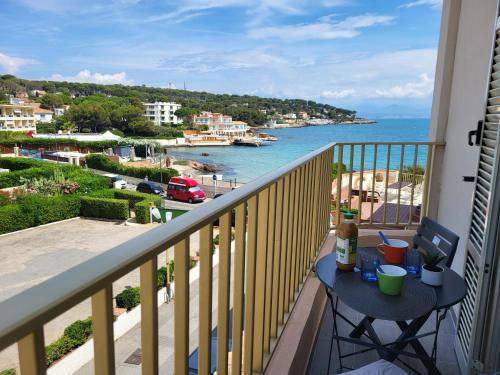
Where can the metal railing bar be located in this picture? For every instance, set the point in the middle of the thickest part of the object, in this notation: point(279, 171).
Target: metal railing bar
point(239, 285)
point(339, 182)
point(260, 281)
point(390, 143)
point(277, 262)
point(400, 181)
point(250, 284)
point(374, 178)
point(102, 331)
point(351, 167)
point(149, 317)
point(181, 306)
point(360, 194)
point(287, 233)
point(269, 267)
point(205, 300)
point(386, 182)
point(224, 273)
point(32, 353)
point(413, 182)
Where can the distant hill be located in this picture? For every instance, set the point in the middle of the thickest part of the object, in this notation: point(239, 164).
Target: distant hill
point(252, 109)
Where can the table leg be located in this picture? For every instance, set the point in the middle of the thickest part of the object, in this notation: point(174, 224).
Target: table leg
point(360, 328)
point(373, 336)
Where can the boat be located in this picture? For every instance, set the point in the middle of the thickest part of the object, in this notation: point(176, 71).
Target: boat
point(251, 142)
point(267, 137)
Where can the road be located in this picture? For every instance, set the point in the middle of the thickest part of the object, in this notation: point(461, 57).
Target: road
point(132, 183)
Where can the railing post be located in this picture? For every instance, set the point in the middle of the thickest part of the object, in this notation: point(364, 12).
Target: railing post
point(250, 285)
point(277, 277)
point(339, 182)
point(102, 331)
point(388, 165)
point(223, 292)
point(260, 281)
point(285, 257)
point(269, 267)
point(238, 296)
point(181, 306)
point(205, 300)
point(427, 178)
point(149, 317)
point(32, 353)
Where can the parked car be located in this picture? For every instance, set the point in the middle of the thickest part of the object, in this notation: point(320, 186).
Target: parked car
point(150, 187)
point(185, 189)
point(117, 182)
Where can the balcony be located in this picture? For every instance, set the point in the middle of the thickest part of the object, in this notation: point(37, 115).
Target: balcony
point(255, 306)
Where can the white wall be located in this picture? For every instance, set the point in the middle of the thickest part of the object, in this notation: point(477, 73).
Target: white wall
point(457, 106)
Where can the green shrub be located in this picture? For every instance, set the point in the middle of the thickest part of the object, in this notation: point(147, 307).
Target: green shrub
point(134, 197)
point(10, 179)
point(79, 331)
point(13, 218)
point(102, 163)
point(44, 210)
point(17, 164)
point(129, 298)
point(89, 182)
point(58, 349)
point(142, 209)
point(104, 208)
point(9, 371)
point(161, 277)
point(103, 193)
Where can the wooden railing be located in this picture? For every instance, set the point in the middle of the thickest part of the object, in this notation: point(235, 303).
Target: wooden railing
point(382, 182)
point(281, 219)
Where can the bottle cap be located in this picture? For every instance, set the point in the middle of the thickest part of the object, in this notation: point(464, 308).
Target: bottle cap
point(348, 215)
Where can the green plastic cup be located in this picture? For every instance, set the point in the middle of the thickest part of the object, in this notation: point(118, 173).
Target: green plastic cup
point(391, 281)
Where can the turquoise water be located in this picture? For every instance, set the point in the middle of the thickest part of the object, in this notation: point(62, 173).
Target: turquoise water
point(248, 163)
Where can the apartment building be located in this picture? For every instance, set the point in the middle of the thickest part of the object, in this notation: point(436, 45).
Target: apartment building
point(17, 118)
point(162, 112)
point(219, 124)
point(43, 115)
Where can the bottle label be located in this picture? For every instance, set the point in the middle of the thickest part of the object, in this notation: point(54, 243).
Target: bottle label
point(346, 250)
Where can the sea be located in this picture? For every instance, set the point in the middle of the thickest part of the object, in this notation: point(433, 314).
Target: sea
point(248, 163)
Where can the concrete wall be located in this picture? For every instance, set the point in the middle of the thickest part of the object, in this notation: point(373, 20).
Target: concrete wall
point(462, 75)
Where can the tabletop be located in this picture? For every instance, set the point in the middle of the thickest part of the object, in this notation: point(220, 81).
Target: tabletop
point(450, 293)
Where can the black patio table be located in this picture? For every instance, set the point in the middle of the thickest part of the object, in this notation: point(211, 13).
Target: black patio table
point(415, 304)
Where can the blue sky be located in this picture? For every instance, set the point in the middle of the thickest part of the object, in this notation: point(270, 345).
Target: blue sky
point(374, 56)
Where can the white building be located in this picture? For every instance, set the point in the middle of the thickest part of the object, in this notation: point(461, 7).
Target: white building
point(43, 115)
point(17, 118)
point(86, 137)
point(59, 111)
point(162, 112)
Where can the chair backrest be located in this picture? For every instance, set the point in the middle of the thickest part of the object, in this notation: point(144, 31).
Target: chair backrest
point(433, 237)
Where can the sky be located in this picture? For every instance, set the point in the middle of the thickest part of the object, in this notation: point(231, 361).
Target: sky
point(374, 56)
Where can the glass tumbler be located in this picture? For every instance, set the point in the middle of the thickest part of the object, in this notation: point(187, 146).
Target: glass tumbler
point(413, 262)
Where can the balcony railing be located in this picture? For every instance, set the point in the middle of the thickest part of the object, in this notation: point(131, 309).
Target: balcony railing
point(281, 219)
point(383, 183)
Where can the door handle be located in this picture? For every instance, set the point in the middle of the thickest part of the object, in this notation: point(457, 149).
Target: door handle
point(476, 133)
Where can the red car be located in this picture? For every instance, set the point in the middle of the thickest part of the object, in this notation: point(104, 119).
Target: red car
point(185, 189)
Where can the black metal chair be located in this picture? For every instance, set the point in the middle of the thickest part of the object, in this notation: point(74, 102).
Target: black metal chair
point(433, 237)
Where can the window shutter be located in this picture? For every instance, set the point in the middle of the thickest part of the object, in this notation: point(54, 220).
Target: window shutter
point(483, 226)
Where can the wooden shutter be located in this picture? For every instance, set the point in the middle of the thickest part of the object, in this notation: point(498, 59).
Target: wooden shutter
point(482, 234)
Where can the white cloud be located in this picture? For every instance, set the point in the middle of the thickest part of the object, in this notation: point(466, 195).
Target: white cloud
point(11, 64)
point(89, 77)
point(338, 94)
point(420, 89)
point(217, 60)
point(259, 10)
point(325, 28)
point(436, 4)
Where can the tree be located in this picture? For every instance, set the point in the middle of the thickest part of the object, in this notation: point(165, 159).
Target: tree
point(51, 101)
point(142, 126)
point(187, 114)
point(88, 116)
point(335, 168)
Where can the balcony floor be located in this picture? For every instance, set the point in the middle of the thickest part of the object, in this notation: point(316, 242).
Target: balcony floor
point(387, 331)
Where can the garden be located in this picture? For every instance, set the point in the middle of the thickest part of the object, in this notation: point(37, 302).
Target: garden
point(37, 192)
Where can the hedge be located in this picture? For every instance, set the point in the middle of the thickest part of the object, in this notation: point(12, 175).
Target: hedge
point(17, 164)
point(104, 208)
point(136, 200)
point(10, 371)
point(102, 163)
point(75, 335)
point(59, 141)
point(33, 210)
point(129, 298)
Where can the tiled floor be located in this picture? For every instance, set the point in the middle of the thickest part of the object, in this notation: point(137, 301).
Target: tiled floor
point(387, 331)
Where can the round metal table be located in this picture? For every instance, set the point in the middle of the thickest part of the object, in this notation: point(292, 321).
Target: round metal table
point(415, 304)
